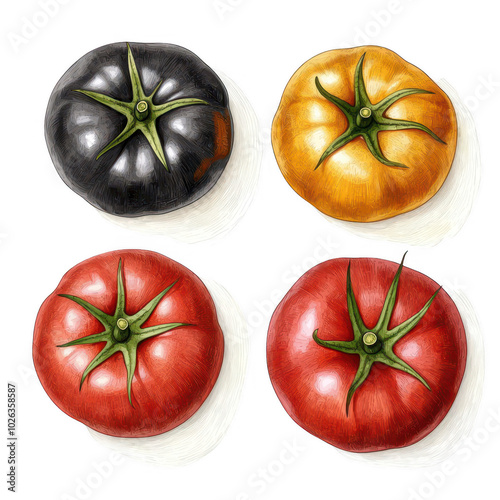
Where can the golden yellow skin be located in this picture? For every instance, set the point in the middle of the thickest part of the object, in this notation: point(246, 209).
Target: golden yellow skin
point(351, 184)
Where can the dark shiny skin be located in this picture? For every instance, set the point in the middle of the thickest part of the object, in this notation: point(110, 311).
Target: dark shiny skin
point(130, 180)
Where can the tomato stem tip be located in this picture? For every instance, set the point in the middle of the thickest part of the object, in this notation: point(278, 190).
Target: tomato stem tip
point(369, 338)
point(122, 324)
point(365, 112)
point(141, 110)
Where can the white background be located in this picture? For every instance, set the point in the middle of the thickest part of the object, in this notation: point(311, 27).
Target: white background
point(46, 229)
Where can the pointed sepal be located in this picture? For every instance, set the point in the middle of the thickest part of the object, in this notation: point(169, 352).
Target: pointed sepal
point(349, 347)
point(127, 132)
point(137, 92)
point(360, 95)
point(339, 142)
point(129, 352)
point(89, 339)
point(142, 316)
point(365, 366)
point(105, 319)
point(120, 291)
point(388, 101)
point(153, 331)
point(371, 139)
point(390, 300)
point(401, 330)
point(358, 326)
point(107, 352)
point(399, 364)
point(151, 134)
point(344, 106)
point(124, 108)
point(391, 124)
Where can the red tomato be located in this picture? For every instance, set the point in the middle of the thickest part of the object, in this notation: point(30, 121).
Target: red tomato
point(365, 355)
point(128, 343)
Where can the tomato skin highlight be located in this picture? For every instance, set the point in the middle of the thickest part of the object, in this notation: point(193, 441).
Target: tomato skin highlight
point(391, 409)
point(175, 371)
point(352, 184)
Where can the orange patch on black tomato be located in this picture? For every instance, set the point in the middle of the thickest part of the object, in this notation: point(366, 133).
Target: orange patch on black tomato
point(222, 126)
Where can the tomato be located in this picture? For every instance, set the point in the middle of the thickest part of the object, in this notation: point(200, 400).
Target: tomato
point(363, 135)
point(139, 129)
point(366, 355)
point(128, 343)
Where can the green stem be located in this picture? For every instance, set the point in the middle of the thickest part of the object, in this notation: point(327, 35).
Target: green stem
point(121, 332)
point(371, 343)
point(141, 110)
point(364, 117)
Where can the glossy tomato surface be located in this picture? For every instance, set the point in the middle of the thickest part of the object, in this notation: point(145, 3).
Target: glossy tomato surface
point(356, 182)
point(174, 371)
point(157, 162)
point(391, 408)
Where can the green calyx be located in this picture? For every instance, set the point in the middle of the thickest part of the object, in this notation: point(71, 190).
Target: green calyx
point(367, 120)
point(122, 332)
point(376, 344)
point(141, 112)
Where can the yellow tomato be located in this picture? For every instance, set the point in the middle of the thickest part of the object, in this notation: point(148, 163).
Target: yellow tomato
point(363, 135)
